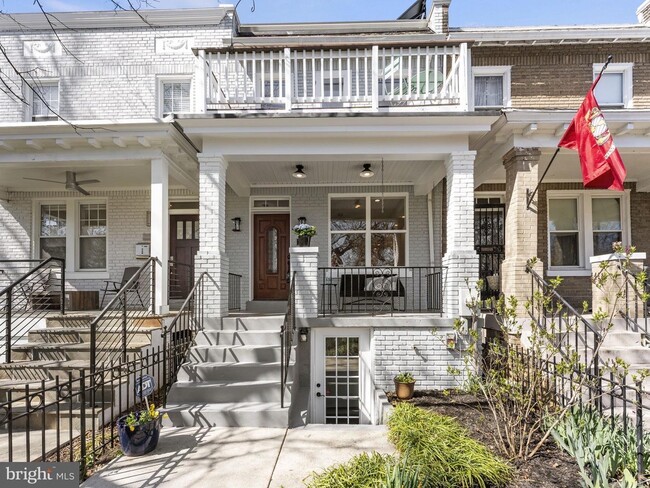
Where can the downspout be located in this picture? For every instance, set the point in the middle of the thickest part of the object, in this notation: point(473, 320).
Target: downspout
point(430, 214)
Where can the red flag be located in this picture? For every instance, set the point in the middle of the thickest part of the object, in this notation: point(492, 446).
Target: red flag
point(602, 166)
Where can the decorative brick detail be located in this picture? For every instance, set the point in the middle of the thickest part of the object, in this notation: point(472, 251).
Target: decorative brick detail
point(420, 351)
point(460, 257)
point(211, 257)
point(304, 262)
point(521, 223)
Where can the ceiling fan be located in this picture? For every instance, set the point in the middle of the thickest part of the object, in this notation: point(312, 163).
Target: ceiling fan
point(70, 182)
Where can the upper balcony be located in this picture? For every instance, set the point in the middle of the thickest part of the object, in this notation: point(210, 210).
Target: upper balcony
point(369, 78)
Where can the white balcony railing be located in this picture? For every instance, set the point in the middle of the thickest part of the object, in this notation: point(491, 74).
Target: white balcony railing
point(368, 78)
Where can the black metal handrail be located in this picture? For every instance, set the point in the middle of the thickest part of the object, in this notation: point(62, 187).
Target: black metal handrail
point(376, 290)
point(287, 331)
point(180, 274)
point(180, 334)
point(234, 291)
point(134, 303)
point(28, 299)
point(573, 333)
point(635, 312)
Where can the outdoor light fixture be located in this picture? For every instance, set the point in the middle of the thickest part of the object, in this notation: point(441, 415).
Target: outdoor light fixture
point(367, 172)
point(304, 334)
point(299, 173)
point(236, 222)
point(357, 204)
point(302, 220)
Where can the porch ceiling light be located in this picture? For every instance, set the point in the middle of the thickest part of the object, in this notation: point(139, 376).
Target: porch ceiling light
point(357, 204)
point(299, 173)
point(367, 172)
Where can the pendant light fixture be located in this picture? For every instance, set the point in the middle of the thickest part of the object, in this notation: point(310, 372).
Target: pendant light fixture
point(366, 172)
point(299, 173)
point(357, 204)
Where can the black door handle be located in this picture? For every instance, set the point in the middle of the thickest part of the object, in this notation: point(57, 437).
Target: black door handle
point(319, 394)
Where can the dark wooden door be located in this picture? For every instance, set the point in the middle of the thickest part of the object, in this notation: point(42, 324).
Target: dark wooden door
point(271, 256)
point(184, 243)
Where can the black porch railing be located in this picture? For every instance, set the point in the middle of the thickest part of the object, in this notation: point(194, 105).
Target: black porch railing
point(571, 332)
point(34, 290)
point(287, 331)
point(635, 311)
point(234, 291)
point(381, 290)
point(112, 331)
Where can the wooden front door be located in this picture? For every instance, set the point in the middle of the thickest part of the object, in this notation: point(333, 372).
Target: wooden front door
point(184, 243)
point(271, 256)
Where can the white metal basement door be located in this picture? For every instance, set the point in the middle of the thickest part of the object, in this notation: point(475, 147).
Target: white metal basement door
point(341, 390)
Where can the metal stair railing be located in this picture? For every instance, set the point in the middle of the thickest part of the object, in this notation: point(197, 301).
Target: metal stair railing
point(636, 303)
point(287, 331)
point(29, 298)
point(131, 307)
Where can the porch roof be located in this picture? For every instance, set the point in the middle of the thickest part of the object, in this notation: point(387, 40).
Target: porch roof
point(543, 129)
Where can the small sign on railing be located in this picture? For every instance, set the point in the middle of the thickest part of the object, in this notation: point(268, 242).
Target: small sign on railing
point(144, 386)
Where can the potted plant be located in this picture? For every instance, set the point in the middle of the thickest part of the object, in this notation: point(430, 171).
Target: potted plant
point(139, 431)
point(304, 232)
point(404, 385)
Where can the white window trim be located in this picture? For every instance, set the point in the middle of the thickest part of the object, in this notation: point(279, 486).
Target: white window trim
point(368, 231)
point(505, 72)
point(161, 80)
point(628, 81)
point(29, 108)
point(585, 240)
point(71, 236)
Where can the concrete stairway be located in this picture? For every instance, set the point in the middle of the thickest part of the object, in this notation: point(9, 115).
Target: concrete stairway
point(232, 377)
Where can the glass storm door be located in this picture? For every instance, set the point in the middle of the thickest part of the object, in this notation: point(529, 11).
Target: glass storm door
point(342, 384)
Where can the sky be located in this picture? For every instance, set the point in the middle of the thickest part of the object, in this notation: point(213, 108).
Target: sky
point(463, 13)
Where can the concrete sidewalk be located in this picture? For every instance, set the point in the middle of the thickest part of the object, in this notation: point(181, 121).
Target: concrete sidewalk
point(234, 457)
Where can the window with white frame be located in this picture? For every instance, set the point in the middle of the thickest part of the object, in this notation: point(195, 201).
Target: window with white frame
point(368, 230)
point(491, 86)
point(74, 230)
point(582, 225)
point(45, 100)
point(614, 90)
point(176, 96)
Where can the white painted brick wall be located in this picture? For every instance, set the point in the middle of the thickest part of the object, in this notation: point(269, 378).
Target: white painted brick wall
point(113, 73)
point(418, 350)
point(304, 262)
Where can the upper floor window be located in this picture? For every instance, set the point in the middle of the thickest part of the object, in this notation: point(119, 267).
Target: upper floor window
point(491, 86)
point(615, 87)
point(45, 100)
point(176, 96)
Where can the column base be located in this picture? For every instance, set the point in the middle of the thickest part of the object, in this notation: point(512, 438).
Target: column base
point(216, 288)
point(517, 283)
point(461, 274)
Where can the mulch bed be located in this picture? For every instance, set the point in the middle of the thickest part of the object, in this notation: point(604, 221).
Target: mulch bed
point(550, 468)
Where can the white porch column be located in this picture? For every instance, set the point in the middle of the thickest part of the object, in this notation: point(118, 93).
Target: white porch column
point(460, 258)
point(211, 257)
point(304, 262)
point(160, 229)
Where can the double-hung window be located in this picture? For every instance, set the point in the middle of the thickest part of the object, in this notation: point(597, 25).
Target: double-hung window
point(584, 224)
point(491, 86)
point(92, 236)
point(52, 238)
point(176, 96)
point(368, 230)
point(45, 100)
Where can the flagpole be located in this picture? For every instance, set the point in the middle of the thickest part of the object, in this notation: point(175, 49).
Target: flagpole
point(530, 196)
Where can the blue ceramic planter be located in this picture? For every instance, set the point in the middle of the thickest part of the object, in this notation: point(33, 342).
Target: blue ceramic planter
point(142, 439)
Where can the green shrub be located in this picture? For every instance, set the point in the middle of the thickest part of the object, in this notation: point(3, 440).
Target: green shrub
point(443, 452)
point(603, 449)
point(362, 471)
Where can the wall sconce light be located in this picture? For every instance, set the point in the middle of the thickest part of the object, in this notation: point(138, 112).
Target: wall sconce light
point(302, 220)
point(303, 332)
point(236, 222)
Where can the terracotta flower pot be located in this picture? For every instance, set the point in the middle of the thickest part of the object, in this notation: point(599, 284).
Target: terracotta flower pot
point(404, 391)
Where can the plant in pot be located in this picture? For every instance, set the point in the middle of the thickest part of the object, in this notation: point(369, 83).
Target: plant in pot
point(139, 431)
point(404, 385)
point(304, 232)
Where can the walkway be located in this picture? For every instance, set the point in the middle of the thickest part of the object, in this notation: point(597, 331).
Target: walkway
point(233, 457)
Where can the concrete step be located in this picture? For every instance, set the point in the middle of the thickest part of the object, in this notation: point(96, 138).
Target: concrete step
point(109, 320)
point(63, 351)
point(237, 354)
point(631, 355)
point(267, 306)
point(246, 322)
point(241, 414)
point(623, 339)
point(227, 392)
point(43, 369)
point(238, 338)
point(70, 334)
point(17, 390)
point(232, 371)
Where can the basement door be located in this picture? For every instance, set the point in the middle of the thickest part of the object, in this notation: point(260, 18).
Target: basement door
point(271, 256)
point(342, 391)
